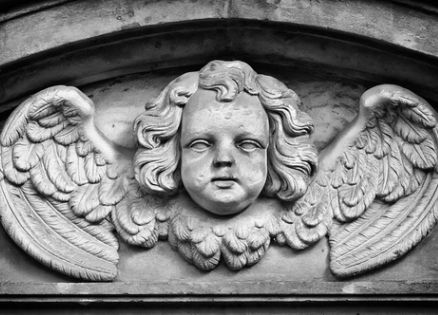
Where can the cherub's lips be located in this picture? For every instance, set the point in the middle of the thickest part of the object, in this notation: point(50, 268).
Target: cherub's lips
point(224, 181)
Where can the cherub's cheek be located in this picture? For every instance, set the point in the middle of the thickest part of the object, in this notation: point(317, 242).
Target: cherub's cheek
point(254, 162)
point(200, 180)
point(199, 160)
point(257, 177)
point(194, 171)
point(254, 169)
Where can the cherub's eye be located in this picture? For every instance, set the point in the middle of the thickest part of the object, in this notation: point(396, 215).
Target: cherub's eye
point(248, 145)
point(199, 145)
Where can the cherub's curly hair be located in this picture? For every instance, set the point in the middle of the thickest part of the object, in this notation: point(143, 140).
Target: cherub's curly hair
point(291, 157)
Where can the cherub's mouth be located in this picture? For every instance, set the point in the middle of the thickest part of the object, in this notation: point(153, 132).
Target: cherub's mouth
point(224, 181)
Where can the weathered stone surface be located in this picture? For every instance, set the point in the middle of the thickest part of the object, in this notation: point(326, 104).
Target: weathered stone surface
point(79, 20)
point(328, 52)
point(78, 55)
point(219, 165)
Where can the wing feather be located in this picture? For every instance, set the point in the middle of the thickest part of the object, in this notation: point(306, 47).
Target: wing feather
point(36, 133)
point(62, 226)
point(53, 181)
point(84, 199)
point(420, 114)
point(141, 220)
point(382, 185)
point(383, 235)
point(388, 167)
point(410, 131)
point(51, 120)
point(12, 174)
point(39, 238)
point(56, 171)
point(99, 213)
point(93, 171)
point(83, 148)
point(101, 230)
point(407, 187)
point(76, 166)
point(67, 136)
point(421, 155)
point(26, 154)
point(41, 181)
point(111, 191)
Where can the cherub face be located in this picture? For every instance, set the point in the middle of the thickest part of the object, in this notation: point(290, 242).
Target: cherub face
point(224, 151)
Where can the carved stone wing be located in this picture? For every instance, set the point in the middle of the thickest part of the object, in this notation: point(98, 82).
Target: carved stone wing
point(378, 181)
point(60, 179)
point(139, 219)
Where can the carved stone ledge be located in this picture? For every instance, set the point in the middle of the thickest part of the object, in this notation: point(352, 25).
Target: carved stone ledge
point(79, 20)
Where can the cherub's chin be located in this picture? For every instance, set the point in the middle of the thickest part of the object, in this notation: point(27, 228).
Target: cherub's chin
point(221, 197)
point(225, 201)
point(226, 210)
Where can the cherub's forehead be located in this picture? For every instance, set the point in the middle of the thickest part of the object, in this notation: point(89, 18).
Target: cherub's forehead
point(204, 112)
point(204, 99)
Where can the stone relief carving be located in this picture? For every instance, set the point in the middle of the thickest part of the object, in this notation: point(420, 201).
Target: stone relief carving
point(224, 166)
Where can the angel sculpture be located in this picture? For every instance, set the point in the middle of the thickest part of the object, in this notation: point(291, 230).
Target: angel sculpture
point(224, 165)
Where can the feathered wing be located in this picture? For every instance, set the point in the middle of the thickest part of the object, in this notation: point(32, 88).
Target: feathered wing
point(60, 180)
point(141, 220)
point(375, 193)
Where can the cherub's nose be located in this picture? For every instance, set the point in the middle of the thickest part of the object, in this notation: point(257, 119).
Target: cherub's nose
point(223, 157)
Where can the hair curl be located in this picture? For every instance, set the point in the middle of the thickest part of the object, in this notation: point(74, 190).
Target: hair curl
point(291, 157)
